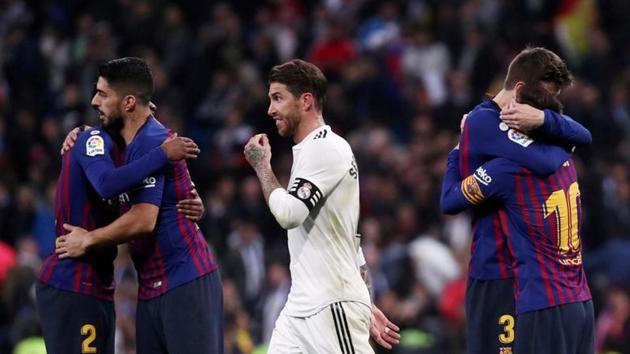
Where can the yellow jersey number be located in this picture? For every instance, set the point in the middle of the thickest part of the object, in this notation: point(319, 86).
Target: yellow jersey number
point(86, 345)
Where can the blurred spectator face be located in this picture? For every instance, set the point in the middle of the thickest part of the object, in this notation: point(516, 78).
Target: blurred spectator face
point(25, 198)
point(107, 102)
point(284, 109)
point(276, 275)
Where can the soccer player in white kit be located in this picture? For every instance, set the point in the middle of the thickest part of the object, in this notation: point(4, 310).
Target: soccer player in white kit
point(329, 308)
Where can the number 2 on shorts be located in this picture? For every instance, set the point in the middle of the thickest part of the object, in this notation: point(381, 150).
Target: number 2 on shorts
point(86, 345)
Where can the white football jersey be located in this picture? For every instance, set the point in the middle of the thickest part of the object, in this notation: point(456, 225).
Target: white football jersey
point(325, 248)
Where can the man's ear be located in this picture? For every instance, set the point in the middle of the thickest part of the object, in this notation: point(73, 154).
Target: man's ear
point(517, 90)
point(308, 101)
point(129, 103)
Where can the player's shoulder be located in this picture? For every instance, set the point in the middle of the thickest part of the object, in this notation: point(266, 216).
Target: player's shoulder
point(500, 166)
point(327, 144)
point(150, 135)
point(92, 142)
point(481, 113)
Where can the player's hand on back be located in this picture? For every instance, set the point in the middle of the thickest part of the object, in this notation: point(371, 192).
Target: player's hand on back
point(71, 138)
point(192, 208)
point(258, 151)
point(522, 117)
point(74, 244)
point(179, 148)
point(382, 330)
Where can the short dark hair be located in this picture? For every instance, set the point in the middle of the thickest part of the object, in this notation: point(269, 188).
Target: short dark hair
point(535, 66)
point(300, 77)
point(130, 75)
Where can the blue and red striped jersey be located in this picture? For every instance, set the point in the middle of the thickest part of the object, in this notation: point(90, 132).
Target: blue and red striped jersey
point(543, 216)
point(485, 137)
point(177, 251)
point(88, 176)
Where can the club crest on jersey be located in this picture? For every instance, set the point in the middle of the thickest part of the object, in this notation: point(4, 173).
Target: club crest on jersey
point(304, 192)
point(519, 138)
point(95, 145)
point(505, 350)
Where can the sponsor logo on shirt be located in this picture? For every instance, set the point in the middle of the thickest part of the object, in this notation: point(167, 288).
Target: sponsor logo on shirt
point(149, 182)
point(482, 176)
point(94, 132)
point(95, 145)
point(519, 138)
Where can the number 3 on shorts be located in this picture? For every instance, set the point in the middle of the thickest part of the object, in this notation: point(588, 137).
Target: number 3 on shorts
point(507, 321)
point(86, 345)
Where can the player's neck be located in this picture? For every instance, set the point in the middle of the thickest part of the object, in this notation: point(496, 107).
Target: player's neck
point(503, 98)
point(307, 125)
point(133, 122)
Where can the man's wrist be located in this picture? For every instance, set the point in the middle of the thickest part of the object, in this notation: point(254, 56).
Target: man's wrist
point(542, 117)
point(262, 167)
point(90, 241)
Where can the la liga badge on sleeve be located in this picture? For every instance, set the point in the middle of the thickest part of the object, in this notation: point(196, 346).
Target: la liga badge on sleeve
point(95, 145)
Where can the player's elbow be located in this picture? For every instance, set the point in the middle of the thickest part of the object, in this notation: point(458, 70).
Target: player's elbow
point(447, 208)
point(144, 218)
point(105, 191)
point(288, 224)
point(146, 226)
point(288, 211)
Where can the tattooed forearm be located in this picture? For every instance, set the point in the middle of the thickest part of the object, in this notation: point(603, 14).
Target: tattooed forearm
point(365, 274)
point(268, 181)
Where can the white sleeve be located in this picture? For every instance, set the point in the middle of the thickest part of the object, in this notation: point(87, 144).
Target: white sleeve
point(321, 169)
point(287, 209)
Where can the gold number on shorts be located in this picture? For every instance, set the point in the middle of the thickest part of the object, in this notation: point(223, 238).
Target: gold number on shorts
point(90, 330)
point(507, 321)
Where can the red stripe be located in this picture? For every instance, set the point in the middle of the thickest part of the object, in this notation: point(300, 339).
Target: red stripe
point(62, 195)
point(504, 226)
point(473, 246)
point(160, 263)
point(180, 219)
point(199, 242)
point(77, 277)
point(553, 266)
point(151, 266)
point(463, 161)
point(89, 280)
point(497, 239)
point(66, 189)
point(520, 196)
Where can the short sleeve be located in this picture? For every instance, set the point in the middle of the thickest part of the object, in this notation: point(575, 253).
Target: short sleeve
point(321, 168)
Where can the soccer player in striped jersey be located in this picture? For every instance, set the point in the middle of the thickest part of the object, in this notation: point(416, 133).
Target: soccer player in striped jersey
point(531, 75)
point(329, 308)
point(74, 297)
point(543, 217)
point(180, 300)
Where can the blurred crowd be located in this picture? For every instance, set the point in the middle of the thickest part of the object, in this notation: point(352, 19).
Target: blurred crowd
point(401, 74)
